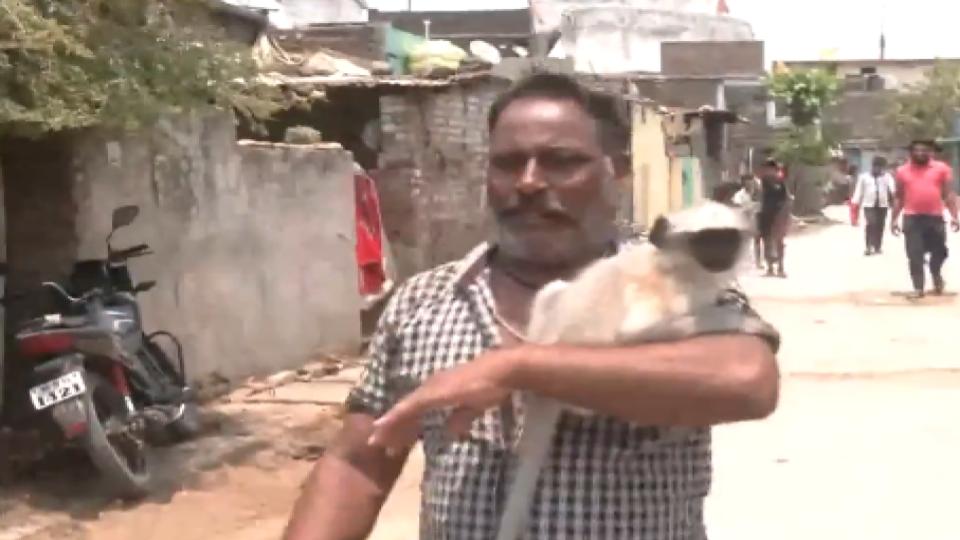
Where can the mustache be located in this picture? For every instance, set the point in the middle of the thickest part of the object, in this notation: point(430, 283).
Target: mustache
point(545, 207)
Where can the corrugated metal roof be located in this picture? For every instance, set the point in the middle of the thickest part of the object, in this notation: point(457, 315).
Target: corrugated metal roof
point(277, 79)
point(268, 5)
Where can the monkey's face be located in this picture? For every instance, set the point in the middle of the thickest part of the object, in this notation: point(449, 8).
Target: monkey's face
point(710, 237)
point(717, 250)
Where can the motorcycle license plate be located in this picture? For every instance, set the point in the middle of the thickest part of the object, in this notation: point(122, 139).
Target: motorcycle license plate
point(58, 390)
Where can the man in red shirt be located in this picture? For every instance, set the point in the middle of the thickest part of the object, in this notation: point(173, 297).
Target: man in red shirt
point(924, 187)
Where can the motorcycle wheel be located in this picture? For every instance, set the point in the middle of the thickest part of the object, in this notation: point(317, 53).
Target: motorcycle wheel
point(188, 425)
point(120, 456)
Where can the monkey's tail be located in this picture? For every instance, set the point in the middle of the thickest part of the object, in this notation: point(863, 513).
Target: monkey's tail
point(533, 451)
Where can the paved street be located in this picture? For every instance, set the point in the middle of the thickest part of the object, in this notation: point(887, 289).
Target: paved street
point(863, 445)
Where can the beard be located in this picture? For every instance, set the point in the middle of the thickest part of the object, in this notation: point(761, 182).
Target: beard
point(546, 233)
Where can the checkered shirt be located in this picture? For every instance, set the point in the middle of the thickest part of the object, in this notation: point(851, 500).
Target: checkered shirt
point(606, 479)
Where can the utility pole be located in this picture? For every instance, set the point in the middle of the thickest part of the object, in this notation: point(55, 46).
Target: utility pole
point(538, 41)
point(883, 31)
point(409, 5)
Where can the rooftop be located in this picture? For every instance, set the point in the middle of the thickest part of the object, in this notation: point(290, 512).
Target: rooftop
point(873, 61)
point(454, 24)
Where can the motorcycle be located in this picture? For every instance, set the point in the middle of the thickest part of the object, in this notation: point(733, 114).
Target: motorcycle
point(109, 387)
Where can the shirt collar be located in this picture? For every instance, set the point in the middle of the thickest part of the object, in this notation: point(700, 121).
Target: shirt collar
point(470, 266)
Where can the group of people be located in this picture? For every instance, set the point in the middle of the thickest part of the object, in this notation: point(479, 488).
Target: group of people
point(920, 189)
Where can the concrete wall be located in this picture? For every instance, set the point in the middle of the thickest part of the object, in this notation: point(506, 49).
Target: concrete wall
point(254, 246)
point(614, 39)
point(432, 167)
point(306, 12)
point(712, 58)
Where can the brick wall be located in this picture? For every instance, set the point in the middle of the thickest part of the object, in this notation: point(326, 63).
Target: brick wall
point(432, 169)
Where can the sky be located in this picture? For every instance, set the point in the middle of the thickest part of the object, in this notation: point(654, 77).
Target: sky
point(809, 29)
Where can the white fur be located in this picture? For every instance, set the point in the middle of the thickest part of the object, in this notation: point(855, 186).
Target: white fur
point(607, 304)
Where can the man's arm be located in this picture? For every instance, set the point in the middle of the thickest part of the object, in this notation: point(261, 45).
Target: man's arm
point(699, 381)
point(857, 190)
point(949, 197)
point(898, 198)
point(347, 488)
point(696, 382)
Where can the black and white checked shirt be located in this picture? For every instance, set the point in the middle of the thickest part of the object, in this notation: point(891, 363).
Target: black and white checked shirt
point(607, 479)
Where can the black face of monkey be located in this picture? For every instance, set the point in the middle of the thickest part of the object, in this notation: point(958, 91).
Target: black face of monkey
point(716, 250)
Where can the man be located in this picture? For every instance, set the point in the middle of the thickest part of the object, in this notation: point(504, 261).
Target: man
point(773, 217)
point(449, 354)
point(923, 188)
point(873, 193)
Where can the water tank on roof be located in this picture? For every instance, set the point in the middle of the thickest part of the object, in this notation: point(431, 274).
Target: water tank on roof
point(547, 14)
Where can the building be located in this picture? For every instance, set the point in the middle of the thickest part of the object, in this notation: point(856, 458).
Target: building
point(858, 118)
point(874, 74)
point(620, 38)
point(502, 28)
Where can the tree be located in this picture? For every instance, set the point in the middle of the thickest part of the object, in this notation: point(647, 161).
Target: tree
point(805, 145)
point(927, 109)
point(806, 94)
point(67, 64)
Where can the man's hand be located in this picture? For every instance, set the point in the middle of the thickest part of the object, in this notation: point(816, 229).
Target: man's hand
point(469, 390)
point(895, 228)
point(954, 225)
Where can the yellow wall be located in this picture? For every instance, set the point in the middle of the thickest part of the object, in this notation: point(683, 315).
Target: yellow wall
point(651, 191)
point(657, 177)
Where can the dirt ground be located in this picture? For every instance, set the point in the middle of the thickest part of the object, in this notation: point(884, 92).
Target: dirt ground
point(862, 446)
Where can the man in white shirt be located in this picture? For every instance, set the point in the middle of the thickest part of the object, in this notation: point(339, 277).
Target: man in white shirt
point(874, 194)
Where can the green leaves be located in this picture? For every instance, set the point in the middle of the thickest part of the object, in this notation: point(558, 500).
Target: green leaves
point(927, 110)
point(68, 64)
point(806, 93)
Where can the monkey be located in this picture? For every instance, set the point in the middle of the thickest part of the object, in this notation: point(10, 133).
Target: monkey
point(647, 292)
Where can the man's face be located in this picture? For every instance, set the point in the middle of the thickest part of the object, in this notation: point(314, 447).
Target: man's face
point(877, 169)
point(920, 153)
point(549, 183)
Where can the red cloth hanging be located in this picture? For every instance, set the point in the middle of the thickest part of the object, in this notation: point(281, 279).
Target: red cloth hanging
point(369, 234)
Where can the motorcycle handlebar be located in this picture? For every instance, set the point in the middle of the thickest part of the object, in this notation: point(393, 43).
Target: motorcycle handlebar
point(140, 249)
point(56, 286)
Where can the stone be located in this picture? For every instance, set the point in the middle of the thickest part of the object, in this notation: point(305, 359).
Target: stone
point(281, 378)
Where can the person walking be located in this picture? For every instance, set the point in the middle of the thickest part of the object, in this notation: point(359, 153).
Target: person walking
point(773, 217)
point(924, 186)
point(446, 359)
point(873, 194)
